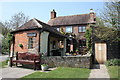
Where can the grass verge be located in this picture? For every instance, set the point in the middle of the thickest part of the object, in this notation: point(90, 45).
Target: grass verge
point(114, 71)
point(61, 72)
point(3, 64)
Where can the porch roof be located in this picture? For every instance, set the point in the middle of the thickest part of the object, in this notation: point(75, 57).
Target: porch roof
point(35, 24)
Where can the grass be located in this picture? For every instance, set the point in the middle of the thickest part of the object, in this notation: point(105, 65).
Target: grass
point(61, 72)
point(114, 71)
point(3, 64)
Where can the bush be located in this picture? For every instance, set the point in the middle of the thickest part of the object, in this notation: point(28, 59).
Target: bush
point(113, 62)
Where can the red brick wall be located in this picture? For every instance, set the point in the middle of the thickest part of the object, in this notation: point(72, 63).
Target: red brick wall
point(75, 29)
point(22, 38)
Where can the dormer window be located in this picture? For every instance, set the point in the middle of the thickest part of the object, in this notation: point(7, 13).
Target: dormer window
point(69, 29)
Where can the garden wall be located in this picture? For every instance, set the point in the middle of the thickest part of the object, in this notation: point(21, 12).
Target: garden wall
point(68, 61)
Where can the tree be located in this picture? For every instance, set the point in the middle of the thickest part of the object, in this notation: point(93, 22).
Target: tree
point(4, 30)
point(6, 27)
point(6, 43)
point(111, 13)
point(106, 34)
point(16, 20)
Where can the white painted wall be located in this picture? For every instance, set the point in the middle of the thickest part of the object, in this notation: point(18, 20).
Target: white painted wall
point(44, 42)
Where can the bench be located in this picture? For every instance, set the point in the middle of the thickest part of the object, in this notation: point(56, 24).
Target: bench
point(27, 58)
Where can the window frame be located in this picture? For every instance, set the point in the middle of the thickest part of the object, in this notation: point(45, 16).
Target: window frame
point(30, 43)
point(70, 29)
point(82, 30)
point(82, 43)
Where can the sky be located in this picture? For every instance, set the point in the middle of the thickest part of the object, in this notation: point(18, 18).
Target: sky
point(41, 10)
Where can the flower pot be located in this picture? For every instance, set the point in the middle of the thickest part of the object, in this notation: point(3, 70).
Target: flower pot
point(44, 68)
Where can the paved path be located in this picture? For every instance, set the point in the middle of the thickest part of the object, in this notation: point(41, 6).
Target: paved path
point(15, 72)
point(3, 57)
point(99, 71)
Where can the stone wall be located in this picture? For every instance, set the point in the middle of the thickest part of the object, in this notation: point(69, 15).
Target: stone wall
point(68, 61)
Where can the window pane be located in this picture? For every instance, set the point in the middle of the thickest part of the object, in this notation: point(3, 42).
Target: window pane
point(84, 43)
point(84, 29)
point(80, 29)
point(80, 43)
point(58, 29)
point(69, 29)
point(30, 43)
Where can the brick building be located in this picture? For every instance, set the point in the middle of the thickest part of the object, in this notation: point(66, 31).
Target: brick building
point(74, 24)
point(37, 37)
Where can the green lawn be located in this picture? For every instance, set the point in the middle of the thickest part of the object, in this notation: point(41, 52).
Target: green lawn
point(62, 72)
point(113, 71)
point(3, 64)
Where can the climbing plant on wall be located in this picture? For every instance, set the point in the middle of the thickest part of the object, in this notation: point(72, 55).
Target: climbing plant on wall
point(88, 35)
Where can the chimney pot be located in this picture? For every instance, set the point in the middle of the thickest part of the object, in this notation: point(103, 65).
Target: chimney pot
point(91, 11)
point(53, 14)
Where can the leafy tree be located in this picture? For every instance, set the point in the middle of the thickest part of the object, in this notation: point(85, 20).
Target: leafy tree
point(106, 34)
point(6, 43)
point(110, 15)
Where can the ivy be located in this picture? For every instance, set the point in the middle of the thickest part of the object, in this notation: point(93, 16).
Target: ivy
point(88, 35)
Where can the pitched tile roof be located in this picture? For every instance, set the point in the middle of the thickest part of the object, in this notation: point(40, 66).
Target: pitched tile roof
point(70, 20)
point(37, 24)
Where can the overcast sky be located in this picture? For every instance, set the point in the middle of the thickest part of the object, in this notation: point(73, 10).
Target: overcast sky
point(41, 10)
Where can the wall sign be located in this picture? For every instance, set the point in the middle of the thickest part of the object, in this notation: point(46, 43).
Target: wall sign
point(31, 34)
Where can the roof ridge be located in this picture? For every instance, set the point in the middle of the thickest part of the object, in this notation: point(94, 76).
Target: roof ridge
point(39, 25)
point(71, 15)
point(41, 21)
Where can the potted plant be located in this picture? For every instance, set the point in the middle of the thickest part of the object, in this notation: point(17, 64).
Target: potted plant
point(44, 67)
point(77, 51)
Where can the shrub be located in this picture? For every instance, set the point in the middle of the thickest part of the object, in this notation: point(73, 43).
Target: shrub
point(44, 64)
point(113, 62)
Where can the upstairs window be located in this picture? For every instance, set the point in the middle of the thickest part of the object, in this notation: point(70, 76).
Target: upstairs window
point(81, 29)
point(69, 29)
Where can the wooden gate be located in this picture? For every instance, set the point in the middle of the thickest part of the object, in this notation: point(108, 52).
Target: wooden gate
point(100, 52)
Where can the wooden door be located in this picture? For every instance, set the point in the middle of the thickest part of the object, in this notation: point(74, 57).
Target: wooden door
point(100, 52)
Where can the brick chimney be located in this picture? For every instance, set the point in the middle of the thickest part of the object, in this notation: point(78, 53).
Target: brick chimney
point(92, 16)
point(53, 14)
